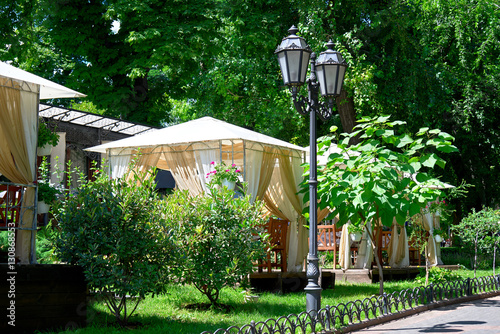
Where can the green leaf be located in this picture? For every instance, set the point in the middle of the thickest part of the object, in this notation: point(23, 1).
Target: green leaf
point(429, 160)
point(405, 140)
point(422, 131)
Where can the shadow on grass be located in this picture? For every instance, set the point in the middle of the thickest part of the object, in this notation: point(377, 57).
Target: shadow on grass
point(100, 321)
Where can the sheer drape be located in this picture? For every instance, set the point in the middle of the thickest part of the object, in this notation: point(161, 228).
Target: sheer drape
point(431, 243)
point(18, 139)
point(203, 158)
point(119, 164)
point(398, 251)
point(345, 248)
point(365, 251)
point(183, 168)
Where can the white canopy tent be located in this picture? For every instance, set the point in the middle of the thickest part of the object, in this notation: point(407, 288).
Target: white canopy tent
point(271, 167)
point(20, 92)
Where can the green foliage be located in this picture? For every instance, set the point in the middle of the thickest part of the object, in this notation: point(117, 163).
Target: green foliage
point(46, 135)
point(479, 232)
point(115, 230)
point(384, 175)
point(47, 191)
point(437, 275)
point(46, 239)
point(218, 237)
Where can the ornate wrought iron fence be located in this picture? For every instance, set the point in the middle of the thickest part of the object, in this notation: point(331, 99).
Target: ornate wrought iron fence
point(354, 312)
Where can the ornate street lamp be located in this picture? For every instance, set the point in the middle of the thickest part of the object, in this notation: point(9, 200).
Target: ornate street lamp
point(293, 55)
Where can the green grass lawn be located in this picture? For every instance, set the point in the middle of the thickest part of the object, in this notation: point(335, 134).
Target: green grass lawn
point(170, 313)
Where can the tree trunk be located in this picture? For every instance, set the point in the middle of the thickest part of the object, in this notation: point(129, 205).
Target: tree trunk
point(426, 267)
point(380, 270)
point(371, 236)
point(345, 107)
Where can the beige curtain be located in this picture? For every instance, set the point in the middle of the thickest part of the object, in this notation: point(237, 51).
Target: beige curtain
point(277, 204)
point(398, 251)
point(18, 138)
point(365, 251)
point(183, 168)
point(436, 221)
point(431, 243)
point(265, 173)
point(345, 248)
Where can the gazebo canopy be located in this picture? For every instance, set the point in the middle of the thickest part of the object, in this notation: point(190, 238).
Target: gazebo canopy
point(204, 129)
point(271, 167)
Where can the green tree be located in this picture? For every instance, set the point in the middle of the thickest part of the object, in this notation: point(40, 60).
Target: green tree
point(114, 230)
point(218, 237)
point(478, 231)
point(381, 178)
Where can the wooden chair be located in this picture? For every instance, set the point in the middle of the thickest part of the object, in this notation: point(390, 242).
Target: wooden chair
point(277, 255)
point(10, 204)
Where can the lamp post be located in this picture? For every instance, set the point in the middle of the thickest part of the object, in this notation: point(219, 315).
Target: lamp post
point(327, 75)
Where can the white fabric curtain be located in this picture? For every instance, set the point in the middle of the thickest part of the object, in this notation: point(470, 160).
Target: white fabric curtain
point(203, 158)
point(399, 253)
point(365, 250)
point(345, 248)
point(431, 243)
point(119, 164)
point(254, 164)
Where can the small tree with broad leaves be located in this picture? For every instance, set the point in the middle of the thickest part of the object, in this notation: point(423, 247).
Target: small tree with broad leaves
point(383, 176)
point(480, 230)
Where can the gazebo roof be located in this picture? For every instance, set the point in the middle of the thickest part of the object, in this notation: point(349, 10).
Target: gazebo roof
point(205, 129)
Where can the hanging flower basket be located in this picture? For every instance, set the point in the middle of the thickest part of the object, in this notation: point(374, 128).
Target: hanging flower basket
point(438, 238)
point(43, 207)
point(228, 184)
point(223, 175)
point(45, 150)
point(356, 236)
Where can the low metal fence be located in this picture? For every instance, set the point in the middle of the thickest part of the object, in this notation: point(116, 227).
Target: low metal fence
point(332, 318)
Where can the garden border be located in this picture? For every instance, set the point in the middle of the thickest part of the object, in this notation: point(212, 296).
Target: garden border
point(359, 314)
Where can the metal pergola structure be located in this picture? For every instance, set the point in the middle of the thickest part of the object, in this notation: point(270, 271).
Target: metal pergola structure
point(72, 116)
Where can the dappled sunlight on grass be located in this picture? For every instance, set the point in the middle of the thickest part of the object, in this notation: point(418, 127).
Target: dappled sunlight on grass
point(169, 313)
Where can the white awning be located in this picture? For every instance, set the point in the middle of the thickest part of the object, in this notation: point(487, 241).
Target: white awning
point(48, 89)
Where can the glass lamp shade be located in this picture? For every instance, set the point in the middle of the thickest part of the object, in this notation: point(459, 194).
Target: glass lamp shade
point(330, 70)
point(293, 56)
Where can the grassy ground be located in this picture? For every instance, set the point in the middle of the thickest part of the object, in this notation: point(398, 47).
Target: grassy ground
point(170, 313)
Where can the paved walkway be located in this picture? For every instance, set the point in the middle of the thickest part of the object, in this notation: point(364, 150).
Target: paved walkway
point(480, 316)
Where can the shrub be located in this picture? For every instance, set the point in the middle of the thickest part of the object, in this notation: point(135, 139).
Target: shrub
point(218, 237)
point(114, 230)
point(437, 275)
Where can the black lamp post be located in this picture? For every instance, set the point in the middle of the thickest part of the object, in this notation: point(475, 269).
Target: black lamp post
point(293, 56)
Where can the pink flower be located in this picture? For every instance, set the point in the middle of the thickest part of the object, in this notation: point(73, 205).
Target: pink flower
point(212, 163)
point(233, 165)
point(227, 170)
point(238, 171)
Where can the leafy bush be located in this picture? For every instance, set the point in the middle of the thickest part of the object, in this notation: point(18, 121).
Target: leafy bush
point(437, 275)
point(218, 237)
point(114, 230)
point(46, 238)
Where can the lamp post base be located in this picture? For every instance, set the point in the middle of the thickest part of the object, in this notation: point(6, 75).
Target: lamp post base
point(313, 298)
point(313, 290)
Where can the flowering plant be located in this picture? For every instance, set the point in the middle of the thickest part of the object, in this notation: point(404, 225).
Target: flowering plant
point(437, 207)
point(222, 171)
